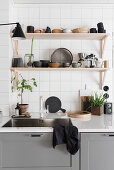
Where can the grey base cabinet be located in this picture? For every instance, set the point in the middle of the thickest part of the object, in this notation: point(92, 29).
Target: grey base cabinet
point(97, 151)
point(26, 151)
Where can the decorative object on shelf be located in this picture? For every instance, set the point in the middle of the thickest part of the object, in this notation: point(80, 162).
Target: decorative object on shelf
point(76, 65)
point(93, 30)
point(79, 114)
point(29, 58)
point(54, 65)
point(99, 63)
point(97, 103)
point(37, 64)
point(101, 28)
point(57, 31)
point(48, 30)
point(54, 105)
point(30, 29)
point(67, 30)
point(62, 55)
point(66, 64)
point(45, 63)
point(81, 30)
point(37, 31)
point(106, 64)
point(20, 86)
point(17, 62)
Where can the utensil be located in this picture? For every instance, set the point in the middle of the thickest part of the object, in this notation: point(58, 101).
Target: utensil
point(54, 65)
point(54, 105)
point(106, 64)
point(62, 55)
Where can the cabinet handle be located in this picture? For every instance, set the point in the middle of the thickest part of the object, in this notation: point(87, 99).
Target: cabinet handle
point(35, 136)
point(108, 135)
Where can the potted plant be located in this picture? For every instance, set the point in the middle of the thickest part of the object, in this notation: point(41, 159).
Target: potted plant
point(97, 103)
point(29, 58)
point(21, 85)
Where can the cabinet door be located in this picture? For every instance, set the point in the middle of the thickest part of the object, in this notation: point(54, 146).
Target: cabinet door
point(32, 150)
point(97, 151)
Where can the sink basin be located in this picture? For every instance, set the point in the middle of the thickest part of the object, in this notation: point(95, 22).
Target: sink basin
point(37, 122)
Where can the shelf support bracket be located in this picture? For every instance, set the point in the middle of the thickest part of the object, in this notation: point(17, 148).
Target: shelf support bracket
point(103, 44)
point(102, 79)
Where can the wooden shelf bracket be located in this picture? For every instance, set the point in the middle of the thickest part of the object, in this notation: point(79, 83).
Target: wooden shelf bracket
point(102, 79)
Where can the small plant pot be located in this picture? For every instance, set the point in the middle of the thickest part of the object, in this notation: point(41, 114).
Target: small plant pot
point(24, 108)
point(97, 110)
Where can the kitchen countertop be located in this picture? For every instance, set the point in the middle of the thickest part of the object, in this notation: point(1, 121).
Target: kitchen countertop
point(93, 124)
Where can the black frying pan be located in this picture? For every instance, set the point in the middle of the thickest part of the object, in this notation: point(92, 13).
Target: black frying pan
point(54, 104)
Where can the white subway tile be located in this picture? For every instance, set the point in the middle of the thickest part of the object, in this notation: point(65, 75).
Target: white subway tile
point(66, 12)
point(55, 86)
point(66, 86)
point(44, 12)
point(55, 12)
point(75, 12)
point(65, 76)
point(44, 76)
point(44, 86)
point(55, 76)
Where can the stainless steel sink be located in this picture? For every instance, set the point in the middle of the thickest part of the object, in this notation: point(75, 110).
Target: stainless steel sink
point(37, 122)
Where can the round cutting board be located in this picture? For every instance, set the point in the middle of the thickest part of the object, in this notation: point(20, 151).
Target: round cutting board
point(79, 114)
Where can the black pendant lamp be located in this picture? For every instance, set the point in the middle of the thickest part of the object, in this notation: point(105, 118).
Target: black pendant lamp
point(18, 33)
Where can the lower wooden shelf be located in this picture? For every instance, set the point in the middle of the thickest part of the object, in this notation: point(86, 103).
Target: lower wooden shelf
point(15, 69)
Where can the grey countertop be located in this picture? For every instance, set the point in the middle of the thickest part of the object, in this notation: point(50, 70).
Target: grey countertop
point(93, 124)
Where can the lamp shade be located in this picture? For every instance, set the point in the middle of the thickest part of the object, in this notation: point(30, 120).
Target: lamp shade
point(18, 33)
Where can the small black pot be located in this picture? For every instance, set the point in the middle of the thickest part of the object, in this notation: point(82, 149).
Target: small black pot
point(45, 63)
point(30, 29)
point(93, 30)
point(100, 25)
point(48, 30)
point(17, 62)
point(37, 64)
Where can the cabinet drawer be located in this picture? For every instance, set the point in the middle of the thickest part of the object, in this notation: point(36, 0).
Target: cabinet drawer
point(32, 150)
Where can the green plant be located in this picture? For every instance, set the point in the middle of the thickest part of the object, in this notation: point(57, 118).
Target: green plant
point(22, 85)
point(97, 100)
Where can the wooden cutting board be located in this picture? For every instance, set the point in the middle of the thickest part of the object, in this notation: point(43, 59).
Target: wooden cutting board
point(84, 99)
point(79, 114)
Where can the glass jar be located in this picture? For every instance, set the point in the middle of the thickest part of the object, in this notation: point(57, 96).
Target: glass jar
point(28, 60)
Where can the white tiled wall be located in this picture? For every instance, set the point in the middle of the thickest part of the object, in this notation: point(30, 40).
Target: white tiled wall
point(66, 84)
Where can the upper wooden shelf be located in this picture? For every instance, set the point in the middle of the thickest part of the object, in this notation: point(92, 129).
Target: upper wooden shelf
point(57, 69)
point(67, 36)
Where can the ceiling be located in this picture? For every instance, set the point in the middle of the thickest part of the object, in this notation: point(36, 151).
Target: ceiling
point(63, 1)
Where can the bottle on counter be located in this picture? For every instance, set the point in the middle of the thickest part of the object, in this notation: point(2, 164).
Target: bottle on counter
point(17, 110)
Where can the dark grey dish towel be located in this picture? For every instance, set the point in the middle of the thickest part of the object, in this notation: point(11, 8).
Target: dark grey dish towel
point(67, 135)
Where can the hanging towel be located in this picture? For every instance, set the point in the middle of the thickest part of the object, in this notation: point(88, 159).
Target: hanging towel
point(66, 135)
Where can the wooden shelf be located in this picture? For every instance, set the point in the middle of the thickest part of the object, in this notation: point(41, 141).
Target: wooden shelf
point(16, 69)
point(68, 36)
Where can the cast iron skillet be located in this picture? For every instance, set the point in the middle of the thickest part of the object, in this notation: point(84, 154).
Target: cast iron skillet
point(54, 104)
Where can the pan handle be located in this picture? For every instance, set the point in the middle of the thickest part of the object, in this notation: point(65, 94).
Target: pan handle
point(63, 110)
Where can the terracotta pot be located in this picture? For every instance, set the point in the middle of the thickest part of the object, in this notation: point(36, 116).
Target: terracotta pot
point(97, 110)
point(24, 108)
